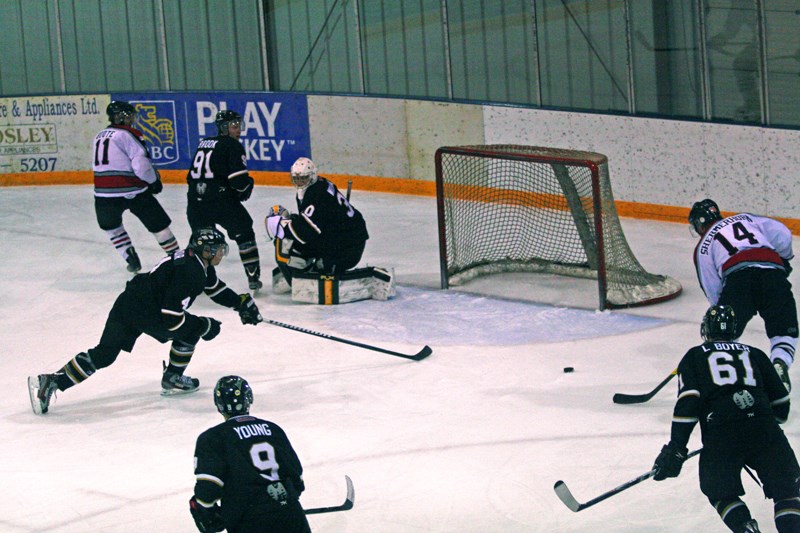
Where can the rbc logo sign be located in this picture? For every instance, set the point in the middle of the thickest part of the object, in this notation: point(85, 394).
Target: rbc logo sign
point(156, 120)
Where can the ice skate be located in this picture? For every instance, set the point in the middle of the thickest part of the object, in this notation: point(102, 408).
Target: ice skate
point(254, 284)
point(751, 527)
point(173, 383)
point(41, 388)
point(134, 265)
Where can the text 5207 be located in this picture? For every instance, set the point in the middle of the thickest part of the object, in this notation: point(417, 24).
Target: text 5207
point(37, 164)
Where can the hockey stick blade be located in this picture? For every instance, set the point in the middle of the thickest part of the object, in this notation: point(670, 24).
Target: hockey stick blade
point(419, 356)
point(347, 505)
point(565, 495)
point(642, 398)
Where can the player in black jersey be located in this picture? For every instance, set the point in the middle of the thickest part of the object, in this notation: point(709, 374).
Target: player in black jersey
point(327, 235)
point(156, 304)
point(250, 466)
point(218, 184)
point(735, 393)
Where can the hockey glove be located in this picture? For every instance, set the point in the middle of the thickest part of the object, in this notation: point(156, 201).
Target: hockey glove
point(207, 519)
point(242, 186)
point(669, 462)
point(248, 311)
point(211, 328)
point(155, 187)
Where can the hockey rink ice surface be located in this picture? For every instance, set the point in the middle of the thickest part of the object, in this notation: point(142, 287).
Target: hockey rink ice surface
point(471, 439)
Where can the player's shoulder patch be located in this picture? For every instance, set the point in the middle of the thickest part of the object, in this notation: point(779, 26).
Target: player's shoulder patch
point(180, 257)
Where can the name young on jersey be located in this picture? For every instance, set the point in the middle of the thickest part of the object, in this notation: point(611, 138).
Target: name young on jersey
point(252, 430)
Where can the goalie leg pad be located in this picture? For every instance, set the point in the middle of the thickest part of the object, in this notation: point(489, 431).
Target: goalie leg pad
point(279, 283)
point(383, 286)
point(350, 286)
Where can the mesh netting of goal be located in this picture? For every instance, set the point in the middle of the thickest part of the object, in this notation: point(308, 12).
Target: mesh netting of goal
point(513, 208)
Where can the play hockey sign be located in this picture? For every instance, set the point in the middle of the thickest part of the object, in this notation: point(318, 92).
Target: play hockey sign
point(274, 126)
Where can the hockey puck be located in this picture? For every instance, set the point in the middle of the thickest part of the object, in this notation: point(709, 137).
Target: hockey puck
point(568, 369)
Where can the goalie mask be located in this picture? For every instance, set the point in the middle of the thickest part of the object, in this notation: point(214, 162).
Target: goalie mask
point(208, 241)
point(224, 118)
point(303, 173)
point(118, 111)
point(719, 323)
point(703, 213)
point(233, 396)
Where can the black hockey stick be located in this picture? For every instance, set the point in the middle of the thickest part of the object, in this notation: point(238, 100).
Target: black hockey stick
point(348, 502)
point(419, 356)
point(641, 398)
point(564, 494)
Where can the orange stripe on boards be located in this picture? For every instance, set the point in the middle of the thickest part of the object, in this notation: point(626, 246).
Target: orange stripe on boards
point(75, 177)
point(639, 210)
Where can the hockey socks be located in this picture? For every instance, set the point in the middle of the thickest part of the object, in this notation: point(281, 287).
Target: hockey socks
point(121, 240)
point(167, 240)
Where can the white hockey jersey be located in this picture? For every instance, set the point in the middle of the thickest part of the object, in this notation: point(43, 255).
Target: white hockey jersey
point(736, 242)
point(121, 163)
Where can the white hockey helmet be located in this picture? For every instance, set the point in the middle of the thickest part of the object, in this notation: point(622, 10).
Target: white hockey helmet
point(303, 173)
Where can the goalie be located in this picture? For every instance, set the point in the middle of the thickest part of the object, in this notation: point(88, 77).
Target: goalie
point(316, 247)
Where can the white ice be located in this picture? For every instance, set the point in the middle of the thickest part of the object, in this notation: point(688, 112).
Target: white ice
point(471, 439)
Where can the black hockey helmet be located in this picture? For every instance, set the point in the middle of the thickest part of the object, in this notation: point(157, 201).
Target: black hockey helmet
point(118, 110)
point(719, 323)
point(233, 396)
point(208, 240)
point(702, 214)
point(225, 117)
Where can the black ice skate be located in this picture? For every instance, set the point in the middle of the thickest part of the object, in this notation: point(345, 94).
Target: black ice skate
point(41, 388)
point(134, 265)
point(752, 525)
point(253, 278)
point(173, 383)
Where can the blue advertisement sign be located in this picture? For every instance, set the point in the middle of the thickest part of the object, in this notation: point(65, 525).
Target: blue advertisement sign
point(274, 126)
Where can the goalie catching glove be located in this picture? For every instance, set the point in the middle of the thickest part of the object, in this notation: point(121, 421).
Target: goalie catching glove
point(248, 311)
point(276, 220)
point(207, 519)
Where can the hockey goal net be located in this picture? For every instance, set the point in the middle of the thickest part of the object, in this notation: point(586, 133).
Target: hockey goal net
point(511, 208)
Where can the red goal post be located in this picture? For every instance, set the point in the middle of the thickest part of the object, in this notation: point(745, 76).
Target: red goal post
point(513, 208)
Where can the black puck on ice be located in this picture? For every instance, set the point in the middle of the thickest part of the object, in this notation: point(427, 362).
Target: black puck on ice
point(568, 369)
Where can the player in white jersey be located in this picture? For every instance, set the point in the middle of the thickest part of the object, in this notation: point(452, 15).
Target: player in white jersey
point(125, 179)
point(743, 261)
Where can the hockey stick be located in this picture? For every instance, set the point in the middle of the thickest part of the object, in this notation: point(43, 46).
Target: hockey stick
point(348, 502)
point(419, 356)
point(564, 494)
point(641, 398)
point(349, 188)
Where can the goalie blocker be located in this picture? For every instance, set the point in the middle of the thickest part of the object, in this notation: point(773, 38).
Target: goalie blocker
point(350, 286)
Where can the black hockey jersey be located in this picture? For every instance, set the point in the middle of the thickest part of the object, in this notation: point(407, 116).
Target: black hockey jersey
point(722, 383)
point(218, 163)
point(325, 221)
point(241, 462)
point(163, 295)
